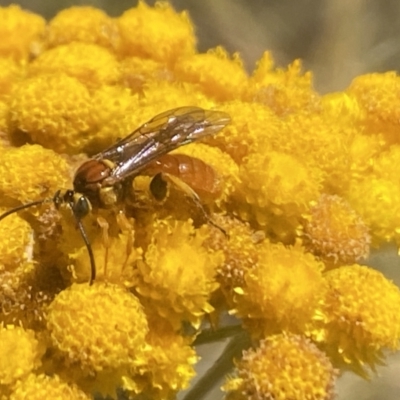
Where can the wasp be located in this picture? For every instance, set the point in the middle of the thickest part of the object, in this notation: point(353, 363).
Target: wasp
point(103, 181)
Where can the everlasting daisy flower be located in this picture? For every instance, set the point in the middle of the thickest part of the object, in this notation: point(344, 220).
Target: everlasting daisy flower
point(83, 24)
point(43, 386)
point(158, 33)
point(99, 327)
point(283, 367)
point(20, 354)
point(335, 232)
point(361, 317)
point(32, 172)
point(281, 291)
point(55, 110)
point(178, 275)
point(24, 33)
point(217, 75)
point(93, 65)
point(284, 91)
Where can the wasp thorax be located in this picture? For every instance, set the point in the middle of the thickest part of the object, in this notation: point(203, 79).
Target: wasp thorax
point(89, 179)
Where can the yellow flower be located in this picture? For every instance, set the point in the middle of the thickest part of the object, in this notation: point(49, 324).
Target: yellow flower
point(54, 110)
point(377, 201)
point(241, 250)
point(217, 75)
point(250, 122)
point(38, 387)
point(159, 96)
point(22, 32)
point(335, 232)
point(32, 173)
point(178, 275)
point(282, 291)
point(10, 73)
point(20, 354)
point(115, 110)
point(136, 72)
point(275, 197)
point(99, 327)
point(93, 65)
point(361, 316)
point(168, 367)
point(284, 91)
point(83, 24)
point(17, 244)
point(156, 32)
point(283, 367)
point(377, 96)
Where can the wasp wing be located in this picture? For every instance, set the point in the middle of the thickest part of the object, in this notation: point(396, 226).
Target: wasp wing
point(162, 134)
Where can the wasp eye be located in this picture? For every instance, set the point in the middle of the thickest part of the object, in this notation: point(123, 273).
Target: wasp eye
point(81, 206)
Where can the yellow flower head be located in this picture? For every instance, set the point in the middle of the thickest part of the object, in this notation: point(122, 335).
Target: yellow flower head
point(93, 65)
point(276, 190)
point(283, 367)
point(16, 246)
point(10, 72)
point(38, 387)
point(362, 317)
point(168, 367)
point(99, 327)
point(377, 95)
point(55, 110)
point(377, 201)
point(282, 291)
point(136, 72)
point(241, 250)
point(178, 275)
point(20, 353)
point(31, 173)
point(156, 32)
point(217, 75)
point(83, 24)
point(282, 91)
point(250, 123)
point(22, 32)
point(335, 232)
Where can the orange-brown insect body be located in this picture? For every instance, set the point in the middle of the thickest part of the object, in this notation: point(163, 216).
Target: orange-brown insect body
point(200, 176)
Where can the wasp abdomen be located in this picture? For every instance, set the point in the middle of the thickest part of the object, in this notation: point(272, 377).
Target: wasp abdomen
point(200, 176)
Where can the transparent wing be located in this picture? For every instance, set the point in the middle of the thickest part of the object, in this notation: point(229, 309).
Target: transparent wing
point(160, 135)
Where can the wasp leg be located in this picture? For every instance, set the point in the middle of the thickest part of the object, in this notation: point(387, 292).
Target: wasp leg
point(186, 189)
point(104, 225)
point(126, 226)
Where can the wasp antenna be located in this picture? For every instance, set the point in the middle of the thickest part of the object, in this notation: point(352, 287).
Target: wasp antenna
point(22, 207)
point(90, 251)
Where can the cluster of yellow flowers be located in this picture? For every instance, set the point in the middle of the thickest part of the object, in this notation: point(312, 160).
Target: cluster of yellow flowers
point(308, 183)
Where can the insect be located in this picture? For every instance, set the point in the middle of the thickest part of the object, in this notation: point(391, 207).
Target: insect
point(103, 180)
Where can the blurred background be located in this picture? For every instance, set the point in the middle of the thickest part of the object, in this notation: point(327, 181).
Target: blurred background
point(337, 40)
